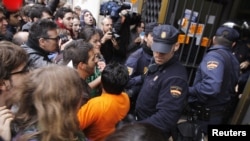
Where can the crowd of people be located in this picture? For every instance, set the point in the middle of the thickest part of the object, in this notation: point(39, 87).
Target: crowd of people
point(64, 78)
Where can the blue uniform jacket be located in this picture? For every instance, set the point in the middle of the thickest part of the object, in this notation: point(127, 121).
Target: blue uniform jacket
point(207, 87)
point(163, 94)
point(138, 62)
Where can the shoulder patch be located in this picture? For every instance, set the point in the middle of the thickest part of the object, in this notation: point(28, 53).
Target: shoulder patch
point(175, 91)
point(130, 70)
point(145, 70)
point(212, 65)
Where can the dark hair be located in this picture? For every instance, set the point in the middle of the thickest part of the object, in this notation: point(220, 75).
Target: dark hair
point(36, 11)
point(60, 13)
point(223, 41)
point(137, 132)
point(40, 29)
point(8, 13)
point(25, 10)
point(77, 51)
point(114, 78)
point(11, 57)
point(138, 24)
point(2, 10)
point(86, 33)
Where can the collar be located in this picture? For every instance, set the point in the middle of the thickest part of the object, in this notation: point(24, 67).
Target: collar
point(215, 47)
point(147, 49)
point(35, 45)
point(153, 67)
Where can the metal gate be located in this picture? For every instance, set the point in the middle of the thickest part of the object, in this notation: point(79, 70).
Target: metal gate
point(197, 21)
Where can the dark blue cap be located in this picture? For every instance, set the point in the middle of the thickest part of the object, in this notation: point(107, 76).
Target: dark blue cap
point(149, 27)
point(164, 36)
point(228, 33)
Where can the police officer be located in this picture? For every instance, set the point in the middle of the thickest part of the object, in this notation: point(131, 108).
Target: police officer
point(215, 79)
point(242, 51)
point(137, 63)
point(161, 99)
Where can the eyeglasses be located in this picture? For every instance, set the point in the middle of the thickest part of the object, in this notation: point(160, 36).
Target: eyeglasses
point(23, 71)
point(56, 38)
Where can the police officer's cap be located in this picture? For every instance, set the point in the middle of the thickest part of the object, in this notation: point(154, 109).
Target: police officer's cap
point(149, 27)
point(228, 33)
point(164, 36)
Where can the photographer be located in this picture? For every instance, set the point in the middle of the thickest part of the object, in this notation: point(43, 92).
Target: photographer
point(108, 41)
point(122, 20)
point(122, 28)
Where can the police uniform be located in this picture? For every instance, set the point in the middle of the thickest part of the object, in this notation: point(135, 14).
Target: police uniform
point(137, 63)
point(163, 93)
point(242, 53)
point(215, 80)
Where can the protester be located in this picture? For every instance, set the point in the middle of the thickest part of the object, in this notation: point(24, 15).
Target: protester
point(81, 56)
point(87, 19)
point(99, 116)
point(3, 25)
point(76, 26)
point(14, 23)
point(20, 38)
point(51, 97)
point(43, 39)
point(92, 35)
point(64, 19)
point(13, 60)
point(136, 37)
point(77, 10)
point(37, 12)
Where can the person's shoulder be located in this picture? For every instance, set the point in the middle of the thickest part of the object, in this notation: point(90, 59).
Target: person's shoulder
point(135, 55)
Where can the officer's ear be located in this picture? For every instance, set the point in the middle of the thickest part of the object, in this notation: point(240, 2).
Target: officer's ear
point(176, 46)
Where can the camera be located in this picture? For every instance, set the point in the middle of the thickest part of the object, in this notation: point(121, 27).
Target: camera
point(114, 34)
point(113, 8)
point(64, 38)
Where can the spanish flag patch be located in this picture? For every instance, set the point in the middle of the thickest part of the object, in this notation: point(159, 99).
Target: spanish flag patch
point(130, 70)
point(175, 91)
point(212, 65)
